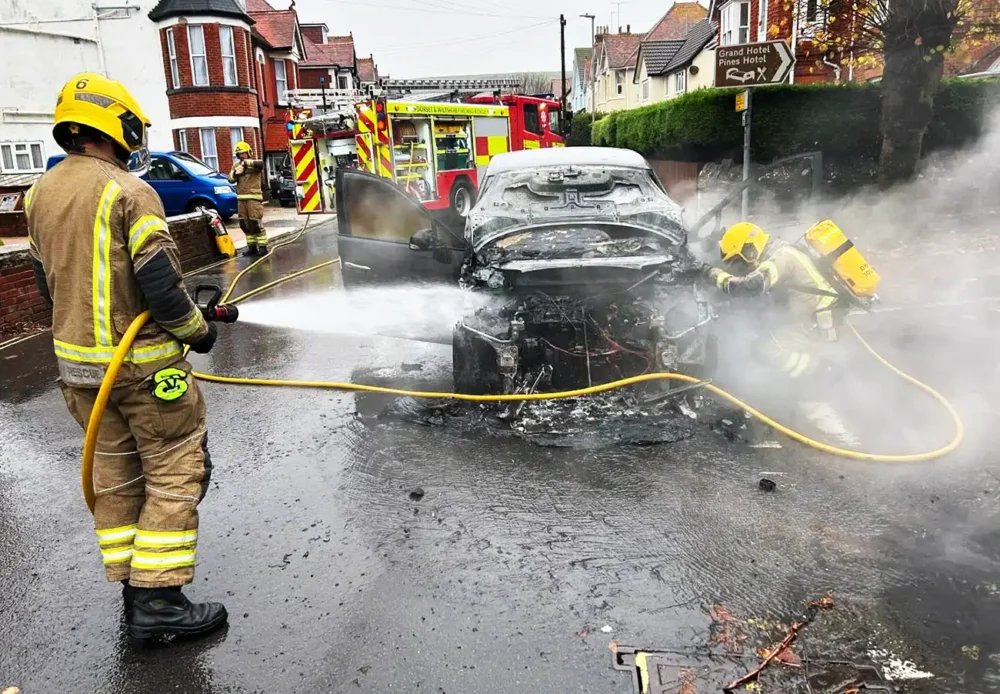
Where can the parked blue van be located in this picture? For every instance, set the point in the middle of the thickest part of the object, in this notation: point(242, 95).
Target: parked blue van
point(184, 183)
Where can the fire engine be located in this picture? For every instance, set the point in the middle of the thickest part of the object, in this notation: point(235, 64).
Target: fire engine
point(433, 150)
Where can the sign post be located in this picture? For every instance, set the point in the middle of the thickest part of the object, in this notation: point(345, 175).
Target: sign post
point(751, 65)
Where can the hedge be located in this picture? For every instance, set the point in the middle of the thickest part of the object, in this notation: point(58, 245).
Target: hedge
point(579, 133)
point(840, 121)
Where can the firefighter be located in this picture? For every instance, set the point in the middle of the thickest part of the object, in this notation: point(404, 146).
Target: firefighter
point(247, 174)
point(102, 255)
point(804, 299)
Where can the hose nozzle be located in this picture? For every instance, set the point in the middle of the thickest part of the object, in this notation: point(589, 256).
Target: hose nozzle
point(221, 313)
point(211, 309)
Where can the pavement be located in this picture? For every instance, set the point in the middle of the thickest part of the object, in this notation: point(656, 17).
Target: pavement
point(363, 553)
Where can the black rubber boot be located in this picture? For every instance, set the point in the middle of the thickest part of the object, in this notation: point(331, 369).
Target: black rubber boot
point(167, 612)
point(249, 251)
point(128, 597)
point(262, 250)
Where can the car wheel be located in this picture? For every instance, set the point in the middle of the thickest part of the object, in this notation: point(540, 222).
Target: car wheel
point(473, 365)
point(463, 198)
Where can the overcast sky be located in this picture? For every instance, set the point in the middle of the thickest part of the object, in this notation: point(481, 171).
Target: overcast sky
point(423, 38)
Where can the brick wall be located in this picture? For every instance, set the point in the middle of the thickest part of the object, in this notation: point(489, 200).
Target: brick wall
point(213, 55)
point(21, 306)
point(212, 101)
point(309, 77)
point(223, 143)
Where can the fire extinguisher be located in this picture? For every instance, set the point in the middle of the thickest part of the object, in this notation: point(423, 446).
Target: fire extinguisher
point(223, 241)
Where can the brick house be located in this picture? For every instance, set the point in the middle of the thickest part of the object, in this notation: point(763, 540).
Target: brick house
point(367, 72)
point(331, 58)
point(279, 49)
point(212, 93)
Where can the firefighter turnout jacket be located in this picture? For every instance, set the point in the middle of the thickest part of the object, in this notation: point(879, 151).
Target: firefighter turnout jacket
point(103, 255)
point(808, 299)
point(249, 181)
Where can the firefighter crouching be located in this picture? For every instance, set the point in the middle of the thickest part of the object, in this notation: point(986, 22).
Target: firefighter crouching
point(791, 341)
point(247, 174)
point(102, 255)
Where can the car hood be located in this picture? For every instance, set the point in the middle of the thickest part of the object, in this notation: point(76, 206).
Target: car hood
point(628, 263)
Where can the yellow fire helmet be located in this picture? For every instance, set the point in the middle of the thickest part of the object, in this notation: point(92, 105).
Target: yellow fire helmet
point(743, 240)
point(103, 104)
point(242, 148)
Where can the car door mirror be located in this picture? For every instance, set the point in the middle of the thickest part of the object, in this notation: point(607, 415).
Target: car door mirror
point(424, 240)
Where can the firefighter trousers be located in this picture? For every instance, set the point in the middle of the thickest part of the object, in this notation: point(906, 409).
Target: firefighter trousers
point(151, 470)
point(251, 212)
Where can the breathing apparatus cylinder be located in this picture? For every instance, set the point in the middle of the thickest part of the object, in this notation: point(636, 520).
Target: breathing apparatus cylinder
point(838, 258)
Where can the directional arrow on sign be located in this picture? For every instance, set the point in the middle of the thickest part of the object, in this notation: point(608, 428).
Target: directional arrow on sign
point(753, 64)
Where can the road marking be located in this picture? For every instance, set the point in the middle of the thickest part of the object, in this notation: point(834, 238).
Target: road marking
point(828, 421)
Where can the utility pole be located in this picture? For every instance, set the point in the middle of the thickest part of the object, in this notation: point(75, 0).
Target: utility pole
point(562, 86)
point(593, 37)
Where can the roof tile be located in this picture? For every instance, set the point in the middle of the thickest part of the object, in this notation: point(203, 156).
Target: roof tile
point(677, 22)
point(620, 47)
point(699, 37)
point(177, 8)
point(277, 28)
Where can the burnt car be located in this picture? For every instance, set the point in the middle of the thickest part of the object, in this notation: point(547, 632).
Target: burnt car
point(574, 261)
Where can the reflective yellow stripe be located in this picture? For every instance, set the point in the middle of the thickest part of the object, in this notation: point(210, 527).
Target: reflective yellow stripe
point(28, 197)
point(116, 556)
point(162, 560)
point(102, 355)
point(190, 327)
point(155, 538)
point(154, 353)
point(822, 302)
point(141, 230)
point(721, 278)
point(791, 362)
point(250, 196)
point(111, 536)
point(801, 367)
point(102, 265)
point(771, 270)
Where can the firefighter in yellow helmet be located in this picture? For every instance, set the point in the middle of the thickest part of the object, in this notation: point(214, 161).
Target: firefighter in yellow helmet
point(247, 174)
point(102, 255)
point(805, 300)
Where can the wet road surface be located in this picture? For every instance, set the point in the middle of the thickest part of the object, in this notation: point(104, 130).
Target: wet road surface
point(519, 564)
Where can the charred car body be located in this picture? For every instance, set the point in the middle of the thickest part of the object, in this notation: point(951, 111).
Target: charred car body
point(575, 262)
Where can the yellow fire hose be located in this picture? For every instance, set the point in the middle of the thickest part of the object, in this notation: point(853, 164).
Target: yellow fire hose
point(90, 441)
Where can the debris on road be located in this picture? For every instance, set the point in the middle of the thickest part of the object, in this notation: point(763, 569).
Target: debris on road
point(971, 652)
point(766, 485)
point(726, 630)
point(417, 494)
point(896, 669)
point(606, 629)
point(824, 603)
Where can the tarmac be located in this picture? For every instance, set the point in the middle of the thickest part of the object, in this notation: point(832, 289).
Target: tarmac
point(358, 552)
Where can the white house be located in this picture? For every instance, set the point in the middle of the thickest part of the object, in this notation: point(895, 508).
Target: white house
point(56, 39)
point(580, 91)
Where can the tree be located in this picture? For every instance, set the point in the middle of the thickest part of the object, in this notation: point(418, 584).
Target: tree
point(534, 83)
point(909, 40)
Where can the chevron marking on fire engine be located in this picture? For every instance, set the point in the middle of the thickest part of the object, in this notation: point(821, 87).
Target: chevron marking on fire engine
point(305, 175)
point(364, 153)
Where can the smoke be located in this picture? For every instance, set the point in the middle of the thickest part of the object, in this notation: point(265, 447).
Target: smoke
point(935, 244)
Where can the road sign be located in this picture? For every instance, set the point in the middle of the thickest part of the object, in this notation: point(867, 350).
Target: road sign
point(753, 64)
point(741, 101)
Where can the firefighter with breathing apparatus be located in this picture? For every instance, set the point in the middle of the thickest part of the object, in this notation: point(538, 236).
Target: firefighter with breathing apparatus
point(102, 255)
point(247, 175)
point(813, 285)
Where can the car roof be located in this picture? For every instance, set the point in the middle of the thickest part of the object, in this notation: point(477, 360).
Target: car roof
point(567, 156)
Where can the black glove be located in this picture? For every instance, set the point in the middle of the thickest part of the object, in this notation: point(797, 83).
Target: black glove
point(704, 269)
point(205, 344)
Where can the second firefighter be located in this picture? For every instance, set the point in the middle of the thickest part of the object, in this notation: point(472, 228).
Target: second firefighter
point(247, 175)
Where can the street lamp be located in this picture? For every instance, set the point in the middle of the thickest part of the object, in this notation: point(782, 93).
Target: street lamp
point(593, 89)
point(322, 89)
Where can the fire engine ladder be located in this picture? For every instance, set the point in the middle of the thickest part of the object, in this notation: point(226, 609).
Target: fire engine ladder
point(414, 169)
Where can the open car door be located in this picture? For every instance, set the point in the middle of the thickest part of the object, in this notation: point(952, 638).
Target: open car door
point(388, 237)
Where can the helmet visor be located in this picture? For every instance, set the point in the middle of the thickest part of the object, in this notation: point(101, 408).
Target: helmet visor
point(138, 163)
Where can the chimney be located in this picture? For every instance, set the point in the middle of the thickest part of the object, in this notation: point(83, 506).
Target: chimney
point(628, 28)
point(619, 30)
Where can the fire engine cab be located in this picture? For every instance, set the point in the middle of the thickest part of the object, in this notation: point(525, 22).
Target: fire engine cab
point(434, 146)
point(437, 151)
